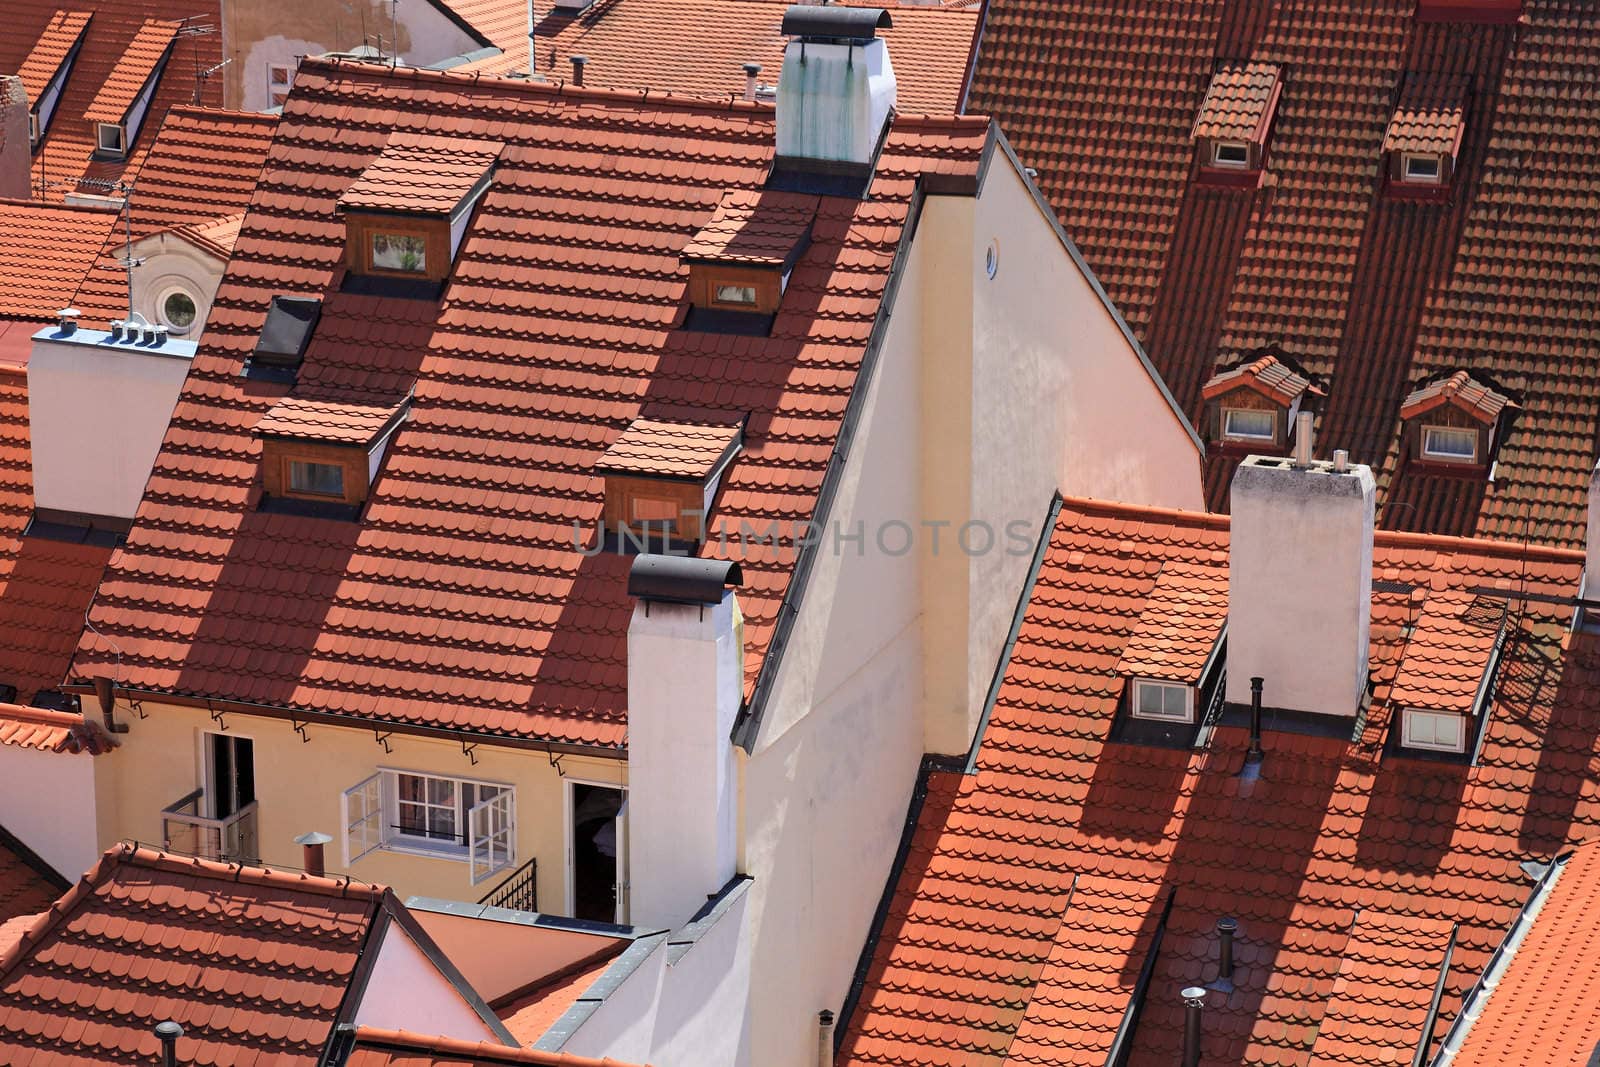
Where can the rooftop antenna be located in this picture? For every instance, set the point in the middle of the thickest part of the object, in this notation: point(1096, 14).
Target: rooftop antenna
point(533, 57)
point(394, 31)
point(188, 27)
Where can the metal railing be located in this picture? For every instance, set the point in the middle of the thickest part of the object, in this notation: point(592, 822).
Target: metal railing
point(231, 839)
point(520, 890)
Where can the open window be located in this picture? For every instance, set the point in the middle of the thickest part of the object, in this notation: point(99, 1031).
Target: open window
point(1251, 404)
point(662, 474)
point(1232, 129)
point(1455, 421)
point(1171, 665)
point(320, 452)
point(1443, 687)
point(739, 262)
point(407, 214)
point(434, 815)
point(1423, 140)
point(123, 103)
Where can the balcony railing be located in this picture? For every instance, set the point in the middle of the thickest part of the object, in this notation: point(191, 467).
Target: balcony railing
point(231, 839)
point(520, 890)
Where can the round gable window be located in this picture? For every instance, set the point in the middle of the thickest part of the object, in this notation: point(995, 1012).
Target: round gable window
point(178, 310)
point(991, 258)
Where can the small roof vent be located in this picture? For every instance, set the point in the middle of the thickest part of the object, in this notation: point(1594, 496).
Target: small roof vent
point(682, 579)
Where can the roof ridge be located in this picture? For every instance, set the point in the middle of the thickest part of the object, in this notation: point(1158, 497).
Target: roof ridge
point(407, 1039)
point(266, 877)
point(48, 716)
point(261, 118)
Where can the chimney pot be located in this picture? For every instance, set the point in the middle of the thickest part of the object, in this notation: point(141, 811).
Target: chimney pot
point(1194, 1001)
point(824, 1038)
point(1226, 928)
point(751, 71)
point(1302, 439)
point(67, 320)
point(577, 69)
point(168, 1033)
point(1254, 754)
point(1341, 461)
point(311, 845)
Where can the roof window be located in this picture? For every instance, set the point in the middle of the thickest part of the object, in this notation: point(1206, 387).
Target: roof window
point(1479, 11)
point(1234, 122)
point(1444, 685)
point(119, 109)
point(45, 72)
point(1170, 663)
point(1253, 404)
point(321, 453)
point(1423, 140)
point(1455, 420)
point(279, 351)
point(662, 475)
point(407, 214)
point(739, 262)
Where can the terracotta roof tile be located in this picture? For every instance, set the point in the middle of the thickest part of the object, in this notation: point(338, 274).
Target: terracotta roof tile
point(52, 731)
point(216, 236)
point(127, 79)
point(397, 1048)
point(1449, 652)
point(25, 890)
point(45, 252)
point(1267, 375)
point(428, 175)
point(1542, 1009)
point(461, 598)
point(50, 50)
point(1366, 292)
point(527, 1018)
point(1459, 390)
point(759, 228)
point(664, 46)
point(1343, 867)
point(1178, 629)
point(314, 418)
point(670, 449)
point(1431, 115)
point(1238, 102)
point(251, 963)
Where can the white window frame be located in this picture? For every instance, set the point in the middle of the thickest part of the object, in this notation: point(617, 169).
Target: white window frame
point(1429, 452)
point(100, 129)
point(1139, 684)
point(1409, 739)
point(1408, 158)
point(371, 810)
point(161, 308)
point(33, 127)
point(1238, 435)
point(1236, 164)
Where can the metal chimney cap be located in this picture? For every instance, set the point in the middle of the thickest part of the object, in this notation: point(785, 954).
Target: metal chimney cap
point(682, 579)
point(313, 837)
point(751, 69)
point(1194, 996)
point(834, 23)
point(1228, 924)
point(168, 1031)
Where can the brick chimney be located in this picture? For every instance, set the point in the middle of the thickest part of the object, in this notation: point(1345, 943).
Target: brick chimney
point(1300, 582)
point(16, 151)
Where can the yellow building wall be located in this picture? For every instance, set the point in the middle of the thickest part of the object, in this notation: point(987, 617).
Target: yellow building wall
point(300, 787)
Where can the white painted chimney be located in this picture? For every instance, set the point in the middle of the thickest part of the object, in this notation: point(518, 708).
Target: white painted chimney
point(685, 685)
point(16, 151)
point(98, 407)
point(1300, 584)
point(837, 88)
point(1591, 563)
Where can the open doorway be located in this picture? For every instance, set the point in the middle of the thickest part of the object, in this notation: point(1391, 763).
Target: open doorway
point(597, 852)
point(229, 828)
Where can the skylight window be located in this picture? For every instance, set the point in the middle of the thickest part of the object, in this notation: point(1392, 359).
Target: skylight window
point(1443, 688)
point(1423, 139)
point(662, 475)
point(321, 453)
point(1235, 120)
point(740, 261)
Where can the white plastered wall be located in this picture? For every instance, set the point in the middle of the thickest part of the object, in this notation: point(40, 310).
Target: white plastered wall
point(408, 992)
point(48, 801)
point(171, 263)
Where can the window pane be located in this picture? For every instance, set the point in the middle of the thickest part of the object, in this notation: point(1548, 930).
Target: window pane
point(1231, 155)
point(1449, 442)
point(394, 251)
point(1173, 703)
point(441, 791)
point(179, 311)
point(736, 294)
point(1435, 729)
point(325, 479)
point(1247, 422)
point(1422, 167)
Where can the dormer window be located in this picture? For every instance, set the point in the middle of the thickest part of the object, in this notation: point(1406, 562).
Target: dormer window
point(1423, 139)
point(321, 452)
point(1252, 404)
point(1235, 121)
point(1170, 664)
point(119, 109)
point(1455, 419)
point(406, 216)
point(45, 72)
point(662, 475)
point(1444, 685)
point(740, 261)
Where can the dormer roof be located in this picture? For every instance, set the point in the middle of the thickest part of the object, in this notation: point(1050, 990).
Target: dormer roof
point(329, 419)
point(755, 228)
point(133, 71)
point(1460, 390)
point(422, 175)
point(1430, 116)
point(663, 448)
point(1450, 653)
point(1180, 624)
point(50, 50)
point(1268, 375)
point(1239, 102)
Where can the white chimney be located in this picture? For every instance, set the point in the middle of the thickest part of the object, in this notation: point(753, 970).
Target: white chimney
point(685, 685)
point(1591, 563)
point(837, 87)
point(16, 150)
point(98, 408)
point(1300, 584)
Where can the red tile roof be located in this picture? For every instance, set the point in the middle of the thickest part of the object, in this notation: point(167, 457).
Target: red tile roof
point(25, 889)
point(132, 72)
point(1335, 849)
point(1267, 375)
point(313, 418)
point(52, 731)
point(670, 448)
point(760, 229)
point(1459, 390)
point(1238, 102)
point(461, 599)
point(1368, 293)
point(50, 49)
point(421, 174)
point(699, 47)
point(1178, 629)
point(527, 1018)
point(64, 159)
point(45, 585)
point(253, 964)
point(1448, 653)
point(1542, 1009)
point(1430, 116)
point(45, 251)
point(216, 236)
point(397, 1048)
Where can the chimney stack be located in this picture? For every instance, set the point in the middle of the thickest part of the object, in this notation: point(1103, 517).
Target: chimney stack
point(577, 69)
point(685, 686)
point(837, 88)
point(1194, 1001)
point(1591, 563)
point(314, 860)
point(1226, 928)
point(16, 150)
point(751, 72)
point(1300, 583)
point(824, 1038)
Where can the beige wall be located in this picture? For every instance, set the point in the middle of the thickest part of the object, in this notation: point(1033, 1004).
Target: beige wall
point(299, 787)
point(48, 800)
point(170, 262)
